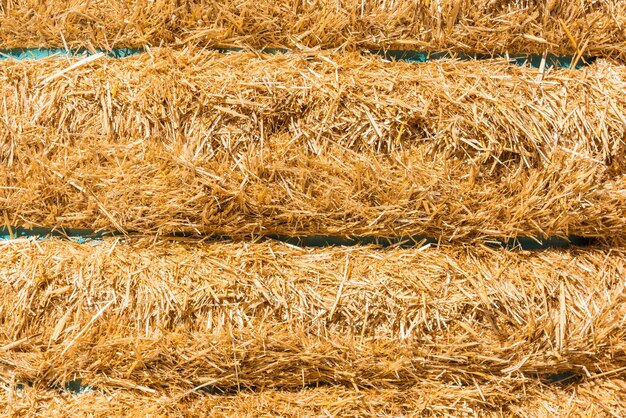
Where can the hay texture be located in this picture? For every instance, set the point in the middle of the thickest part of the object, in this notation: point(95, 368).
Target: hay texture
point(525, 26)
point(324, 144)
point(172, 316)
point(601, 398)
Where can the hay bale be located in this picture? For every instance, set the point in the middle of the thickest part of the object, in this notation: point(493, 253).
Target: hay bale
point(528, 26)
point(321, 144)
point(603, 398)
point(231, 316)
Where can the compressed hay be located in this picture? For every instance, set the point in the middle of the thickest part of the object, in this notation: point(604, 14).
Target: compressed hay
point(232, 316)
point(322, 144)
point(599, 399)
point(527, 26)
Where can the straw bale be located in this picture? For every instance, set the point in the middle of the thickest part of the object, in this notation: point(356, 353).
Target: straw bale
point(521, 26)
point(323, 144)
point(152, 316)
point(602, 398)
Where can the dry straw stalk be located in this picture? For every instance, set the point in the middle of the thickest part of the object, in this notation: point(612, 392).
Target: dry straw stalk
point(156, 316)
point(525, 26)
point(324, 144)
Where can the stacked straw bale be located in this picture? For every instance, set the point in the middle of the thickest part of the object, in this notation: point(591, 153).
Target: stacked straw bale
point(602, 398)
point(315, 142)
point(579, 27)
point(173, 316)
point(243, 144)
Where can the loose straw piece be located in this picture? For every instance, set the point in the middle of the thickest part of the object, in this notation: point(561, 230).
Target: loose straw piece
point(84, 61)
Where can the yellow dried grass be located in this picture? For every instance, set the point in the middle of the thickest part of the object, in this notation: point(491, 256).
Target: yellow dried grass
point(525, 26)
point(322, 144)
point(247, 316)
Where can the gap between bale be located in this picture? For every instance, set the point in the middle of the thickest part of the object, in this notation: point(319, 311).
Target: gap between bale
point(95, 236)
point(536, 61)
